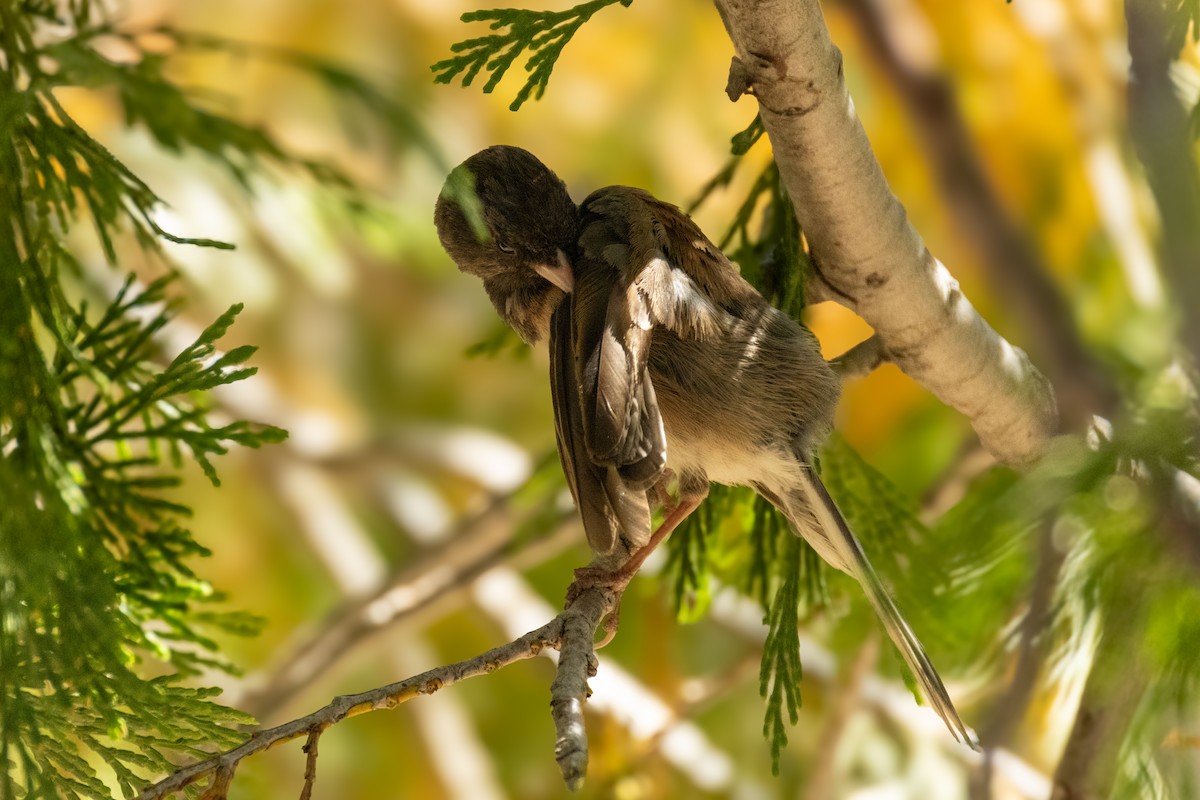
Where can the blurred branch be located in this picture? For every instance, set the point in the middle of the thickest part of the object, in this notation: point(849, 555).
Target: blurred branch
point(1086, 73)
point(1018, 274)
point(1031, 653)
point(744, 616)
point(1178, 499)
point(476, 544)
point(1015, 268)
point(695, 695)
point(860, 239)
point(1115, 685)
point(969, 463)
point(1161, 135)
point(847, 699)
point(354, 562)
point(580, 616)
point(1160, 129)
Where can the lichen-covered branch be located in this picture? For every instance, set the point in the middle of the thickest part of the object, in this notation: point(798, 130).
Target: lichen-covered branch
point(861, 242)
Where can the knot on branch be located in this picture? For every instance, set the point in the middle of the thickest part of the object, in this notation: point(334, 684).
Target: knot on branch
point(740, 80)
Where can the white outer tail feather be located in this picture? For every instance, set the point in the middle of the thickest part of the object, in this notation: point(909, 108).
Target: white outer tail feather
point(819, 521)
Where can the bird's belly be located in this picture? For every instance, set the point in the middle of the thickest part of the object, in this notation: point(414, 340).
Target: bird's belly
point(744, 407)
point(730, 463)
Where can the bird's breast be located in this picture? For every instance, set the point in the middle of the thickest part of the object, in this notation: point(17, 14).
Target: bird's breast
point(741, 406)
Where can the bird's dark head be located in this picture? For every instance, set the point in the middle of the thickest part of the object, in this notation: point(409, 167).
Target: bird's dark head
point(506, 218)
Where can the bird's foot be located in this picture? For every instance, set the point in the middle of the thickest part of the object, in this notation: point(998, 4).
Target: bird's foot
point(615, 580)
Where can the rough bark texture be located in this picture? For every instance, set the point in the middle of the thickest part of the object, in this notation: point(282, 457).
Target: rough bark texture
point(866, 252)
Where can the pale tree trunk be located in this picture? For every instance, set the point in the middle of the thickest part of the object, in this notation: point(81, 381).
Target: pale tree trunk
point(867, 255)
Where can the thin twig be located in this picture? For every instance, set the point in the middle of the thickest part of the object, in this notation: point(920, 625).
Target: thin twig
point(576, 663)
point(509, 600)
point(591, 604)
point(310, 763)
point(219, 788)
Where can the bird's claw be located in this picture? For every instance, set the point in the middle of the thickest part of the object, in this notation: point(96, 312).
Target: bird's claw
point(615, 581)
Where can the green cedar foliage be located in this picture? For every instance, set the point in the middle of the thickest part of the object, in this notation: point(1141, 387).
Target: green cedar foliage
point(543, 33)
point(102, 618)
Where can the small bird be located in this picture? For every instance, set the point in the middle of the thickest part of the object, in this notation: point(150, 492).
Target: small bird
point(665, 365)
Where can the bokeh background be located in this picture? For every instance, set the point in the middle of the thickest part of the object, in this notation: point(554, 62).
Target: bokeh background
point(416, 515)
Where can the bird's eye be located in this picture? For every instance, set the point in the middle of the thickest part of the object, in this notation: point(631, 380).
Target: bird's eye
point(505, 248)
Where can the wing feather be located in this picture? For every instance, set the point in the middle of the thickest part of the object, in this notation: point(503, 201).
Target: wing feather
point(614, 327)
point(607, 506)
point(629, 278)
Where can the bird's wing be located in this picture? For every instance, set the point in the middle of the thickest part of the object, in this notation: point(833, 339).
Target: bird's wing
point(641, 264)
point(688, 283)
point(607, 506)
point(614, 324)
point(815, 516)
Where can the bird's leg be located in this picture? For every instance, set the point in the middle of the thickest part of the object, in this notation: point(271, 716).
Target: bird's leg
point(661, 494)
point(618, 579)
point(676, 514)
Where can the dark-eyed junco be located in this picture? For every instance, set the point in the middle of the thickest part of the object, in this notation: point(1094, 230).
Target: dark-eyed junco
point(664, 362)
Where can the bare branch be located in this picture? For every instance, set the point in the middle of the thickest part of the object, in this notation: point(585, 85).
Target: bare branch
point(509, 600)
point(744, 616)
point(219, 788)
point(861, 240)
point(589, 605)
point(576, 663)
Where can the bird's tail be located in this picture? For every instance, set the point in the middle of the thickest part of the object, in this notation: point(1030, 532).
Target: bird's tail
point(815, 516)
